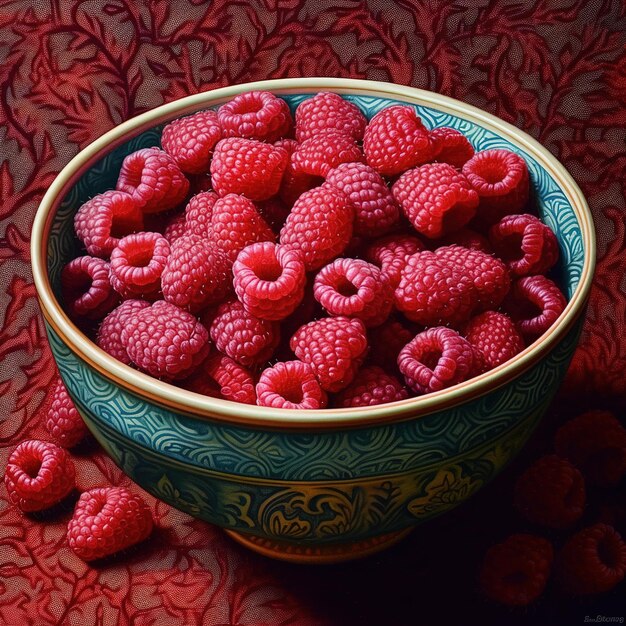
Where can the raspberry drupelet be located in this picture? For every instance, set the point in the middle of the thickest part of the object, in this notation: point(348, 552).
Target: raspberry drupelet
point(371, 386)
point(109, 336)
point(390, 254)
point(450, 146)
point(290, 385)
point(386, 341)
point(321, 153)
point(329, 111)
point(63, 421)
point(198, 213)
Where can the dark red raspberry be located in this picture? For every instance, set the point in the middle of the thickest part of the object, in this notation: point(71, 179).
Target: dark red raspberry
point(592, 561)
point(63, 421)
point(390, 254)
point(395, 140)
point(435, 359)
point(198, 213)
point(196, 274)
point(101, 221)
point(354, 288)
point(269, 280)
point(199, 183)
point(153, 179)
point(247, 167)
point(175, 227)
point(319, 225)
point(323, 152)
point(274, 211)
point(515, 572)
point(290, 385)
point(246, 339)
point(334, 347)
point(436, 198)
point(38, 475)
point(467, 238)
point(255, 115)
point(595, 442)
point(450, 146)
point(165, 341)
point(295, 183)
point(329, 111)
point(87, 292)
point(386, 341)
point(372, 385)
point(190, 141)
point(110, 330)
point(551, 492)
point(107, 520)
point(376, 212)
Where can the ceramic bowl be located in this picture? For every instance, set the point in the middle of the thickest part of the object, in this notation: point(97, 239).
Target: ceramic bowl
point(313, 486)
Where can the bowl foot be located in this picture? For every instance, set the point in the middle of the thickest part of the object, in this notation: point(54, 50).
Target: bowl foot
point(320, 554)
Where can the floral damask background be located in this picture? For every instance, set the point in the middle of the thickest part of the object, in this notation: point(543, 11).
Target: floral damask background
point(70, 70)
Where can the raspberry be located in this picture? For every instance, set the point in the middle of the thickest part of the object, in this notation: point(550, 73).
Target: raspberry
point(450, 146)
point(515, 572)
point(319, 225)
point(290, 385)
point(153, 180)
point(175, 228)
point(525, 244)
point(243, 337)
point(467, 238)
point(110, 330)
point(63, 421)
point(395, 140)
point(323, 152)
point(354, 288)
point(107, 520)
point(390, 254)
point(435, 359)
point(551, 492)
point(376, 212)
point(269, 280)
point(196, 274)
point(386, 341)
point(137, 264)
point(287, 144)
point(372, 385)
point(38, 475)
point(329, 111)
point(436, 198)
point(198, 213)
point(101, 221)
point(334, 347)
point(247, 167)
point(236, 223)
point(274, 211)
point(86, 289)
point(501, 180)
point(165, 341)
point(199, 183)
point(190, 141)
point(595, 442)
point(294, 184)
point(494, 335)
point(592, 561)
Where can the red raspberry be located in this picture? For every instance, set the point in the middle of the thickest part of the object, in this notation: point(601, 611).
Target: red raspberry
point(596, 443)
point(196, 275)
point(354, 288)
point(165, 341)
point(386, 341)
point(236, 223)
point(287, 144)
point(592, 561)
point(295, 183)
point(38, 475)
point(334, 347)
point(107, 520)
point(199, 212)
point(390, 254)
point(101, 221)
point(551, 492)
point(372, 385)
point(501, 180)
point(274, 211)
point(63, 421)
point(329, 111)
point(290, 385)
point(269, 280)
point(245, 338)
point(450, 146)
point(435, 359)
point(86, 289)
point(247, 167)
point(110, 330)
point(467, 238)
point(255, 115)
point(436, 198)
point(175, 228)
point(323, 152)
point(319, 225)
point(395, 140)
point(494, 335)
point(190, 141)
point(376, 212)
point(515, 572)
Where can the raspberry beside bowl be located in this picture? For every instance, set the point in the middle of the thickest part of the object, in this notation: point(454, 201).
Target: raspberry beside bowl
point(313, 486)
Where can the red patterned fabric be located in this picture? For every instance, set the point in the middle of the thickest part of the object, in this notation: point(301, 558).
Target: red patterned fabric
point(71, 70)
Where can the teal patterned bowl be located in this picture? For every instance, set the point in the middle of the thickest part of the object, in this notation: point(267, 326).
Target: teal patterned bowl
point(313, 486)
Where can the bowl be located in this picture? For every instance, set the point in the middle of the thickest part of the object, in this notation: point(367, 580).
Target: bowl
point(313, 486)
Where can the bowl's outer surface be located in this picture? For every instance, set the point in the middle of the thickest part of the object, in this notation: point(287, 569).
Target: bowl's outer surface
point(310, 485)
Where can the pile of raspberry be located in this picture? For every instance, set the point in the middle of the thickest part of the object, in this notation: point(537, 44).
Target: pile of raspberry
point(320, 259)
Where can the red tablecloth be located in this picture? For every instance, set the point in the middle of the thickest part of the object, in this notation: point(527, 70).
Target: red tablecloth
point(70, 70)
